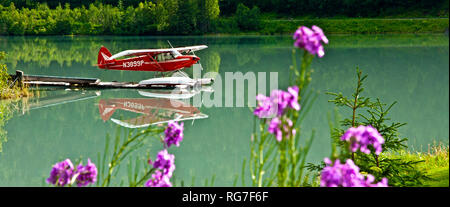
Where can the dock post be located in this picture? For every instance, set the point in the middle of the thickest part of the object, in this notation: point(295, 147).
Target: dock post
point(19, 78)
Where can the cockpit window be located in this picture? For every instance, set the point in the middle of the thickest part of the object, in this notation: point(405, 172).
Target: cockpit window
point(175, 53)
point(164, 56)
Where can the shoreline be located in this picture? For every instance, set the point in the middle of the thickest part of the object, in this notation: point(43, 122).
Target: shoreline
point(330, 26)
point(363, 25)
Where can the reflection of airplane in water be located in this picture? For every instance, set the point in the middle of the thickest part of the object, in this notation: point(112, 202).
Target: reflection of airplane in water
point(163, 106)
point(153, 110)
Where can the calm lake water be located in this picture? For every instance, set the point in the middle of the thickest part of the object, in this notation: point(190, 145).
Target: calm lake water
point(410, 69)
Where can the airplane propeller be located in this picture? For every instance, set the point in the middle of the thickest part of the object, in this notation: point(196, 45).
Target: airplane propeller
point(190, 50)
point(170, 44)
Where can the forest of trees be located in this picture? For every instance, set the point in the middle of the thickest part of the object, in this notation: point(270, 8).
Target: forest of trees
point(292, 8)
point(343, 8)
point(140, 17)
point(178, 17)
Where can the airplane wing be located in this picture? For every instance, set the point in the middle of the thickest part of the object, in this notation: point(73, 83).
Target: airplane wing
point(191, 48)
point(157, 51)
point(145, 121)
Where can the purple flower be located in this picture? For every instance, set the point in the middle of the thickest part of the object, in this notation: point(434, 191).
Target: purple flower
point(347, 175)
point(265, 108)
point(174, 133)
point(276, 104)
point(311, 40)
point(158, 180)
point(382, 183)
point(61, 173)
point(276, 128)
point(165, 162)
point(283, 99)
point(292, 99)
point(86, 174)
point(363, 136)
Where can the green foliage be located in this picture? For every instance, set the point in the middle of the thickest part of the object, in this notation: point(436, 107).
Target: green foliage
point(4, 77)
point(6, 106)
point(377, 118)
point(137, 17)
point(358, 26)
point(64, 20)
point(5, 115)
point(209, 11)
point(344, 8)
point(247, 19)
point(225, 25)
point(122, 147)
point(141, 18)
point(186, 18)
point(9, 88)
point(433, 163)
point(283, 163)
point(289, 8)
point(398, 171)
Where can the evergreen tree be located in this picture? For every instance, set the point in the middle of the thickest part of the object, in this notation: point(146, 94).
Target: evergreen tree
point(186, 18)
point(209, 11)
point(247, 19)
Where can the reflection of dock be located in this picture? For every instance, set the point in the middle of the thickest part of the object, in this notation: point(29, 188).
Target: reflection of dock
point(61, 99)
point(78, 82)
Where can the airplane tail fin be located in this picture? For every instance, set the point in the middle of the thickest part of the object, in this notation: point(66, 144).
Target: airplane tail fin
point(103, 54)
point(106, 110)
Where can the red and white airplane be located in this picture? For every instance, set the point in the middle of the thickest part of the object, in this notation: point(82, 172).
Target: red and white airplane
point(160, 60)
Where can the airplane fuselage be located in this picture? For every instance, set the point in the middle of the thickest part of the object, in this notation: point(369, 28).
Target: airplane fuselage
point(149, 63)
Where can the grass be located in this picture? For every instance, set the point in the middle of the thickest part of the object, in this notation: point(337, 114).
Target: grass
point(435, 163)
point(359, 26)
point(14, 92)
point(10, 90)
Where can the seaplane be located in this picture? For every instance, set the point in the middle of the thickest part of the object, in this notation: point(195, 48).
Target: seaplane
point(158, 60)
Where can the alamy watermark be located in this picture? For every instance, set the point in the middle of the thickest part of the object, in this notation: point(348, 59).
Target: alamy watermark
point(227, 91)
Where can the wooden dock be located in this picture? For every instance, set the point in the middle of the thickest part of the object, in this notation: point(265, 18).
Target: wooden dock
point(76, 82)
